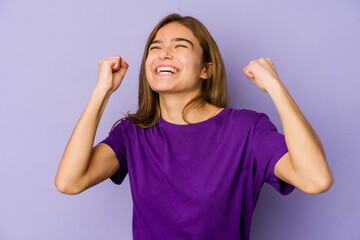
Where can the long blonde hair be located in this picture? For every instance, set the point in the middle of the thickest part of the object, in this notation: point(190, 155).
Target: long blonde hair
point(214, 89)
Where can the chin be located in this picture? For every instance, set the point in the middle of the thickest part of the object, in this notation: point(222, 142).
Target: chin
point(162, 85)
point(163, 90)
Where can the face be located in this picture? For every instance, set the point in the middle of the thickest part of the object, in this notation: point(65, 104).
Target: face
point(174, 62)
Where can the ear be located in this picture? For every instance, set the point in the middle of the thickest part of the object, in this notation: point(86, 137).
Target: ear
point(207, 72)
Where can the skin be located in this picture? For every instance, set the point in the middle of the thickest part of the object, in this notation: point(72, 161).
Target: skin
point(175, 91)
point(304, 165)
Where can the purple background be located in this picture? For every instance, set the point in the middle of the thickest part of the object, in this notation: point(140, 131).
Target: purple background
point(49, 53)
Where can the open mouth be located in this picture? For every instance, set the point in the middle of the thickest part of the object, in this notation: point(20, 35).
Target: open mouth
point(166, 70)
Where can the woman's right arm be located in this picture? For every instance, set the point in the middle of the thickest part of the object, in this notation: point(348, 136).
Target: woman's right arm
point(82, 165)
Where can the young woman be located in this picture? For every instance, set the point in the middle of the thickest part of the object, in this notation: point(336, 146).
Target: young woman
point(196, 167)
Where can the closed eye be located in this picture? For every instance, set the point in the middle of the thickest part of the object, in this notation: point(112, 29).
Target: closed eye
point(179, 45)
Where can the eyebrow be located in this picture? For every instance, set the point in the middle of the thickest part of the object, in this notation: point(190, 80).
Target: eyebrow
point(173, 40)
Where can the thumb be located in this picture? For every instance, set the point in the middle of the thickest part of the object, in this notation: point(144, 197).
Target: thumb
point(124, 63)
point(248, 73)
point(123, 67)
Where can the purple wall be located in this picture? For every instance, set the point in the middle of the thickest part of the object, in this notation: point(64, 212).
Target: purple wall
point(49, 55)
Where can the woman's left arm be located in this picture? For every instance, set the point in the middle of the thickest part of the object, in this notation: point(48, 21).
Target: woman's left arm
point(304, 166)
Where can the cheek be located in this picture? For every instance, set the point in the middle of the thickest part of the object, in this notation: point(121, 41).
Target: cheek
point(148, 67)
point(194, 64)
point(147, 62)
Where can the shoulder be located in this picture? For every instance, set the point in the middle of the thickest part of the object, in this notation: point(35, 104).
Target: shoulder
point(245, 115)
point(121, 125)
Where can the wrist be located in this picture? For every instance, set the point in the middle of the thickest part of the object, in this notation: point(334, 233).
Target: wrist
point(276, 88)
point(101, 93)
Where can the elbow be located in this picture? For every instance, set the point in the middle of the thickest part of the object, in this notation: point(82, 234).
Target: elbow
point(320, 186)
point(65, 189)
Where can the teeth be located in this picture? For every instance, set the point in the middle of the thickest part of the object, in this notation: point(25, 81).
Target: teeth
point(165, 70)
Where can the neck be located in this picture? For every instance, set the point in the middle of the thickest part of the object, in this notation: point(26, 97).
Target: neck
point(172, 107)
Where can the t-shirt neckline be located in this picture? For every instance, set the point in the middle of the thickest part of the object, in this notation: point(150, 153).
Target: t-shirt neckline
point(193, 125)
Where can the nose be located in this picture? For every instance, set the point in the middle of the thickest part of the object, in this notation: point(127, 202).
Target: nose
point(165, 53)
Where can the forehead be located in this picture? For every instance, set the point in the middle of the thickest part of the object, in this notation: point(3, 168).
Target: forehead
point(175, 30)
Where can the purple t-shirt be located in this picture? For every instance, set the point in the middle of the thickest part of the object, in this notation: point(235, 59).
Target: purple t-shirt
point(198, 181)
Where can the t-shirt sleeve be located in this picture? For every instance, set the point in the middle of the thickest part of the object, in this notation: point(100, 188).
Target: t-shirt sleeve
point(269, 146)
point(116, 140)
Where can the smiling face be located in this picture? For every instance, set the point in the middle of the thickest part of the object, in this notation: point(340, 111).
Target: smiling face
point(174, 61)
